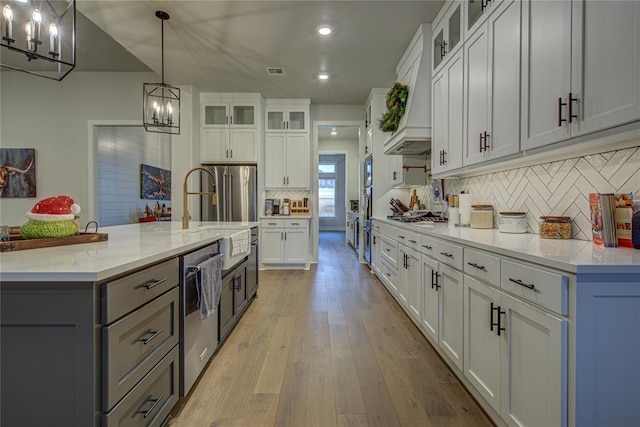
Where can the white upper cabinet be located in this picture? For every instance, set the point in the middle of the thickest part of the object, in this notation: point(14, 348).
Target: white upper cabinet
point(229, 115)
point(605, 78)
point(476, 12)
point(287, 115)
point(230, 127)
point(448, 106)
point(581, 68)
point(287, 161)
point(492, 86)
point(447, 34)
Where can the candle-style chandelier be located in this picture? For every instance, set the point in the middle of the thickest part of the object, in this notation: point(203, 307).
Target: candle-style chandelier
point(39, 37)
point(161, 102)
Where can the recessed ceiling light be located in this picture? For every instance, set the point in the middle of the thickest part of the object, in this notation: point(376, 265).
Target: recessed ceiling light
point(325, 30)
point(334, 132)
point(323, 76)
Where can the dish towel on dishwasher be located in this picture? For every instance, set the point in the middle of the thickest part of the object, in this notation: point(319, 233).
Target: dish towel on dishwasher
point(240, 242)
point(209, 285)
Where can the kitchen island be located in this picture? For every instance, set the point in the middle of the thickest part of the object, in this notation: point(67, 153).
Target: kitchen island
point(542, 332)
point(90, 332)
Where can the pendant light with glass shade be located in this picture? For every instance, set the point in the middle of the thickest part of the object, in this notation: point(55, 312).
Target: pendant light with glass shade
point(161, 102)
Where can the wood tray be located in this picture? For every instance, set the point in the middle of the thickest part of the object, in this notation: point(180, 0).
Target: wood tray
point(17, 243)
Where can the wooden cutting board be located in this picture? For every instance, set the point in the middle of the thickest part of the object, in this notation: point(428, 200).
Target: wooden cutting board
point(17, 243)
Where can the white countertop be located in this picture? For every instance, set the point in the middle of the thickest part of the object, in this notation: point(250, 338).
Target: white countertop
point(129, 247)
point(575, 256)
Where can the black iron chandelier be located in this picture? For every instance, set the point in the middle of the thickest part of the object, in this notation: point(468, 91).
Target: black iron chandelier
point(161, 102)
point(39, 37)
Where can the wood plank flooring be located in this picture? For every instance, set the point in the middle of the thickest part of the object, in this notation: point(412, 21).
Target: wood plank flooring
point(327, 347)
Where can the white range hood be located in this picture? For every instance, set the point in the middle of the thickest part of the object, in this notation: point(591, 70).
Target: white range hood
point(414, 70)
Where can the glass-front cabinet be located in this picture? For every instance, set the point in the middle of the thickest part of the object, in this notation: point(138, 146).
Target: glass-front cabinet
point(477, 12)
point(287, 119)
point(447, 34)
point(229, 115)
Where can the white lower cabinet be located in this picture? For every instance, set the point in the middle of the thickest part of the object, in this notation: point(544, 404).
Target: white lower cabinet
point(450, 297)
point(410, 281)
point(515, 356)
point(430, 299)
point(285, 241)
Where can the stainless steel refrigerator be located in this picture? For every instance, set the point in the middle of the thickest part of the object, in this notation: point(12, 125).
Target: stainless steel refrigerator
point(236, 188)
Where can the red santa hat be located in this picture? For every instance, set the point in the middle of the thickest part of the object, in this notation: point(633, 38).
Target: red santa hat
point(56, 208)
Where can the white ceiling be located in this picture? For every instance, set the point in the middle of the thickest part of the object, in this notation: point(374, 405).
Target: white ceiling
point(227, 45)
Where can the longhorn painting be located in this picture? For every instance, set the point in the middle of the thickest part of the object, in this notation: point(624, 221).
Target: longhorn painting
point(17, 172)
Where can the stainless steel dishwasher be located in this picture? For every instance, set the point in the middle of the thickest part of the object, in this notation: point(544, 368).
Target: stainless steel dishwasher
point(199, 337)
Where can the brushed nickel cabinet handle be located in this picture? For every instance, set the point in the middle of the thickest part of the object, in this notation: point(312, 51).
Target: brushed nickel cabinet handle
point(150, 410)
point(152, 337)
point(151, 284)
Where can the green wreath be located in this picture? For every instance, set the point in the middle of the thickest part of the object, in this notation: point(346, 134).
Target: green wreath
point(396, 103)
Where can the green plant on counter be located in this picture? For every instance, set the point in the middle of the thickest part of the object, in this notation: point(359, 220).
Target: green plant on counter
point(396, 103)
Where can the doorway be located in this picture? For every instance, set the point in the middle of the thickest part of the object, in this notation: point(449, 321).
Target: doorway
point(331, 190)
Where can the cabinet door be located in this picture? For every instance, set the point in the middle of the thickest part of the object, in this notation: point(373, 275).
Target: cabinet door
point(296, 246)
point(546, 71)
point(476, 93)
point(396, 170)
point(534, 366)
point(481, 341)
point(272, 245)
point(455, 107)
point(375, 253)
point(414, 293)
point(438, 46)
point(297, 161)
point(605, 64)
point(368, 142)
point(403, 275)
point(276, 120)
point(214, 145)
point(243, 115)
point(274, 161)
point(430, 298)
point(243, 145)
point(451, 312)
point(439, 124)
point(215, 115)
point(504, 80)
point(297, 120)
point(454, 28)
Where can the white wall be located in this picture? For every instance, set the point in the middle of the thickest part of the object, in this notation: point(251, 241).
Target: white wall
point(53, 118)
point(121, 151)
point(351, 147)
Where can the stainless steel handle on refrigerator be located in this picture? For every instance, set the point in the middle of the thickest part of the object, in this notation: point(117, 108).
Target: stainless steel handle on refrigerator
point(230, 197)
point(224, 207)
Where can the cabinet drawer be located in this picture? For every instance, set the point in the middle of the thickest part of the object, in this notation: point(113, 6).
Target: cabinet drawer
point(132, 345)
point(482, 266)
point(149, 403)
point(389, 272)
point(550, 290)
point(408, 238)
point(389, 250)
point(429, 246)
point(272, 223)
point(450, 254)
point(124, 295)
point(292, 223)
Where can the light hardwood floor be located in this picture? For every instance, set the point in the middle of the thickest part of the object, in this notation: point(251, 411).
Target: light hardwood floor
point(327, 347)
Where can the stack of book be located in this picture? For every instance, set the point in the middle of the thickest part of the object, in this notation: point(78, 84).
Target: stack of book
point(611, 216)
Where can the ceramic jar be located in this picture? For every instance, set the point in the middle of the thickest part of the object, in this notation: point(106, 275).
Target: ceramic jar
point(512, 222)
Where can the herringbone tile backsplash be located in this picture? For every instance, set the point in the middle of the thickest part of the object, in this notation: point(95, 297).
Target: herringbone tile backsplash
point(557, 188)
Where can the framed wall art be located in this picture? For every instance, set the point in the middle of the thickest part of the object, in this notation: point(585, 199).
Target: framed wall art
point(17, 172)
point(156, 183)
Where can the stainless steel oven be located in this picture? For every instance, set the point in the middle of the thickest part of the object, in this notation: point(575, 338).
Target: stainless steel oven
point(199, 338)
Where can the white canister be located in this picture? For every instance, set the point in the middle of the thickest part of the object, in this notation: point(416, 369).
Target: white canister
point(454, 217)
point(512, 222)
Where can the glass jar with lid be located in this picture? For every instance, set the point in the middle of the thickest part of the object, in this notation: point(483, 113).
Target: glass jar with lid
point(481, 216)
point(555, 227)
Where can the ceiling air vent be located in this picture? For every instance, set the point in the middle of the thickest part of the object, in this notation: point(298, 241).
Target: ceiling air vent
point(275, 71)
